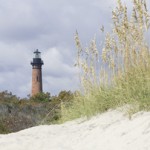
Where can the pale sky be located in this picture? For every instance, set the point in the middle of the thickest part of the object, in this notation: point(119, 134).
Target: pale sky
point(47, 25)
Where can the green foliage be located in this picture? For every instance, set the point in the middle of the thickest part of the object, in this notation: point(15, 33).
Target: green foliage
point(55, 113)
point(17, 114)
point(3, 128)
point(8, 96)
point(65, 96)
point(41, 97)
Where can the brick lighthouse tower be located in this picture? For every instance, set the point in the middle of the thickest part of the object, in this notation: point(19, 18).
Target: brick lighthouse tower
point(37, 73)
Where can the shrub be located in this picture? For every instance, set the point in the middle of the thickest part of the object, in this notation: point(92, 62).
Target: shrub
point(3, 129)
point(41, 97)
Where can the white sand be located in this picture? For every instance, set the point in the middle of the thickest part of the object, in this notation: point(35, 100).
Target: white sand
point(108, 131)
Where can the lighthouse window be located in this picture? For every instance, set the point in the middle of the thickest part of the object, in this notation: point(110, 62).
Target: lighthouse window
point(37, 78)
point(37, 55)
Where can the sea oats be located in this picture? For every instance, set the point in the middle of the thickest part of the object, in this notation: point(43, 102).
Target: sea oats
point(118, 72)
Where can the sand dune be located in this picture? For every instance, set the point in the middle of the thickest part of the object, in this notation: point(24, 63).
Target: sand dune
point(109, 131)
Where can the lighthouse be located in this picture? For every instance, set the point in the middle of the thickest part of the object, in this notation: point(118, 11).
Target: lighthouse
point(37, 73)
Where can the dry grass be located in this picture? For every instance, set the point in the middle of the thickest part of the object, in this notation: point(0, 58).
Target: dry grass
point(120, 73)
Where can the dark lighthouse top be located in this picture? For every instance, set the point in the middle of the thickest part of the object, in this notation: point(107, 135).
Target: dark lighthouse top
point(37, 61)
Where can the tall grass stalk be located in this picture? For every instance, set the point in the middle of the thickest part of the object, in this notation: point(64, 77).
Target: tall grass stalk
point(118, 74)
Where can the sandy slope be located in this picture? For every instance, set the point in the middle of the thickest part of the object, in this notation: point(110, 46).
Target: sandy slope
point(108, 131)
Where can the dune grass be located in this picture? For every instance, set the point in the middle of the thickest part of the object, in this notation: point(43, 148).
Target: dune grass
point(119, 74)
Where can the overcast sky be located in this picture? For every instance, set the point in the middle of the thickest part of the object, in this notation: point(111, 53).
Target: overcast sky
point(47, 25)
